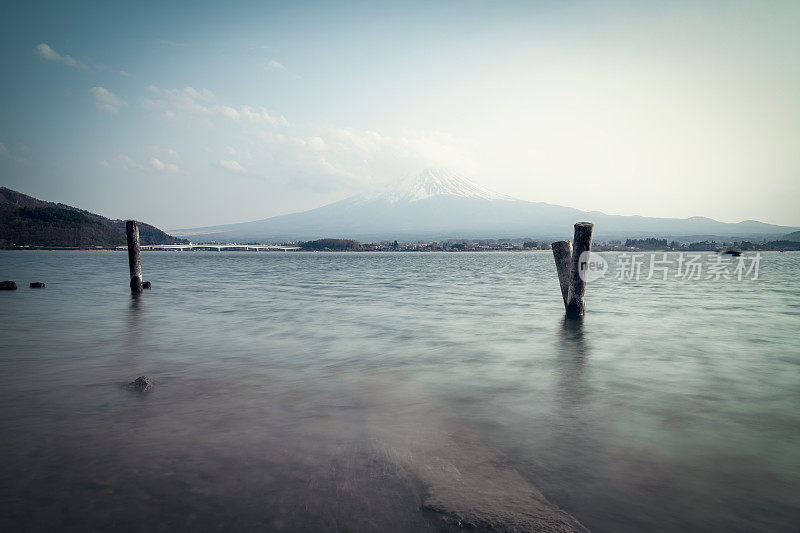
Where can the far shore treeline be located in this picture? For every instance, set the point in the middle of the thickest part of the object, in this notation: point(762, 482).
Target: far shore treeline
point(520, 245)
point(333, 245)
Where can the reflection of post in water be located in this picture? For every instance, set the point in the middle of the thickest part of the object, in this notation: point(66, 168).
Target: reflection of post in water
point(576, 433)
point(137, 303)
point(572, 338)
point(135, 315)
point(573, 351)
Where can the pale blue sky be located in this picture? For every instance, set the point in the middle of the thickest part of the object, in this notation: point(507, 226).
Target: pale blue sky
point(225, 113)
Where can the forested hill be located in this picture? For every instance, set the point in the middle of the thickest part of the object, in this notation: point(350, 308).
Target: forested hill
point(27, 221)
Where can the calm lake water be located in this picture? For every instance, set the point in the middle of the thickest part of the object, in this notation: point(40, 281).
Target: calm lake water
point(372, 391)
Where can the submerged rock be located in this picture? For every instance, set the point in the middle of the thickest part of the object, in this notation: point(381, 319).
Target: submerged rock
point(37, 285)
point(8, 286)
point(145, 284)
point(468, 484)
point(141, 384)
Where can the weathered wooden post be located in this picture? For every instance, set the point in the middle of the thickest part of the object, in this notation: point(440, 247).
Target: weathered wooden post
point(570, 261)
point(134, 255)
point(562, 253)
point(581, 245)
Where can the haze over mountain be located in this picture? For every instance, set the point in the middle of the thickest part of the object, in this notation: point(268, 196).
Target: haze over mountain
point(439, 204)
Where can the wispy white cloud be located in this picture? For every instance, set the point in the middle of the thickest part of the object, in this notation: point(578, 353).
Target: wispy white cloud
point(231, 165)
point(316, 157)
point(347, 158)
point(229, 112)
point(188, 102)
point(185, 102)
point(163, 166)
point(45, 51)
point(275, 65)
point(167, 42)
point(169, 152)
point(204, 94)
point(128, 163)
point(261, 114)
point(160, 163)
point(106, 100)
point(17, 152)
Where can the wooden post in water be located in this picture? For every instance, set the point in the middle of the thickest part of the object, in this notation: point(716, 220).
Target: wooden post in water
point(134, 255)
point(562, 253)
point(581, 245)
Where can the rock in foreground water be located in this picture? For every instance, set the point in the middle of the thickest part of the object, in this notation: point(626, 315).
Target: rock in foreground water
point(8, 286)
point(470, 485)
point(37, 285)
point(141, 384)
point(145, 284)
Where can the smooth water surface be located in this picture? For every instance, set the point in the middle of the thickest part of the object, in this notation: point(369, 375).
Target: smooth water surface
point(339, 391)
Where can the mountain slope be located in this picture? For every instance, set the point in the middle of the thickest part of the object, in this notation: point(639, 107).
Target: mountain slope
point(794, 236)
point(439, 204)
point(27, 221)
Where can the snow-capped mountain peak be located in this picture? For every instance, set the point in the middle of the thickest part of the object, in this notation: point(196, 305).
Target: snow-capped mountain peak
point(434, 182)
point(441, 204)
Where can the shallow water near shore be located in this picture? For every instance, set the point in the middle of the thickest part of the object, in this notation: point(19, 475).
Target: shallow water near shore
point(394, 391)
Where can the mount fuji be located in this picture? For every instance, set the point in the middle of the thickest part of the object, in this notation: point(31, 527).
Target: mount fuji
point(441, 204)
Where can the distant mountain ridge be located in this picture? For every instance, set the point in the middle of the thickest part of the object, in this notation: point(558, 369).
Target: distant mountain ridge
point(28, 221)
point(440, 204)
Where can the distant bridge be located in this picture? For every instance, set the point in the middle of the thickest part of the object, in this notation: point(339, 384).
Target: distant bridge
point(217, 247)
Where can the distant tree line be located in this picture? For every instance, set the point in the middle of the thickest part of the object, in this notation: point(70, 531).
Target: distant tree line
point(647, 244)
point(703, 246)
point(772, 245)
point(333, 245)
